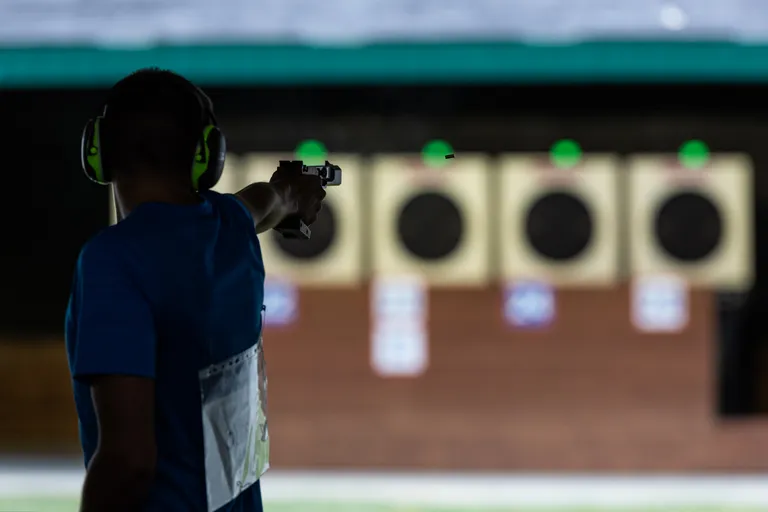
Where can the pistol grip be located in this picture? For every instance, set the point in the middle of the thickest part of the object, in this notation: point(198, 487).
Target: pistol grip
point(294, 228)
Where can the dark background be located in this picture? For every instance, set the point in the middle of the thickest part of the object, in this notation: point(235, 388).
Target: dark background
point(50, 209)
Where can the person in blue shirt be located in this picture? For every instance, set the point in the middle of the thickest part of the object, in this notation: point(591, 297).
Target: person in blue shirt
point(163, 328)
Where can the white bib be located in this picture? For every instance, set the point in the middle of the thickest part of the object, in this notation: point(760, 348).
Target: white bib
point(235, 431)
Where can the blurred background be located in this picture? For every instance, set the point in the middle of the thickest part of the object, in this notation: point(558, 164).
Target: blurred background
point(564, 314)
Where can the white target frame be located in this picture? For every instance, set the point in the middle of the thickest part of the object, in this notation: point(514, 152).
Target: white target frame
point(727, 181)
point(596, 181)
point(398, 178)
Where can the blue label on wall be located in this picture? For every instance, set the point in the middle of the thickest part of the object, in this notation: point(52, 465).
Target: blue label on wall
point(281, 301)
point(529, 304)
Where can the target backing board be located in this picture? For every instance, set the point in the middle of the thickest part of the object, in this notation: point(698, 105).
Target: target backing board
point(560, 226)
point(694, 223)
point(332, 257)
point(431, 222)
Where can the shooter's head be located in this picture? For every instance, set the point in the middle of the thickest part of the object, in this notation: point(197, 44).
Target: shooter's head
point(153, 124)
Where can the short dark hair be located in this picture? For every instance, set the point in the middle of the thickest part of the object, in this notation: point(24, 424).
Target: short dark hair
point(153, 118)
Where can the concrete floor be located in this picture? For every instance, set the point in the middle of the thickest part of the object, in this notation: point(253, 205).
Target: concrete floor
point(57, 478)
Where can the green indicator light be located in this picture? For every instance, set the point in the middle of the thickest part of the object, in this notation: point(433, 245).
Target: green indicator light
point(694, 154)
point(565, 153)
point(311, 152)
point(434, 153)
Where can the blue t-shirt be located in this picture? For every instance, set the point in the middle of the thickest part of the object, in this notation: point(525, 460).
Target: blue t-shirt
point(152, 296)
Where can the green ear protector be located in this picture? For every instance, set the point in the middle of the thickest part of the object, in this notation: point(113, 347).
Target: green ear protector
point(208, 163)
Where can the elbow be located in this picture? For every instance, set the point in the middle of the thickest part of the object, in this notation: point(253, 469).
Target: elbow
point(118, 482)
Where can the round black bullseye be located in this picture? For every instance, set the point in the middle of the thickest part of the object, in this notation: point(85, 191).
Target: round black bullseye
point(559, 226)
point(688, 226)
point(430, 226)
point(323, 234)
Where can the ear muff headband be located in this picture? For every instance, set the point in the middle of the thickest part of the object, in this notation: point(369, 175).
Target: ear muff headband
point(208, 161)
point(91, 152)
point(202, 161)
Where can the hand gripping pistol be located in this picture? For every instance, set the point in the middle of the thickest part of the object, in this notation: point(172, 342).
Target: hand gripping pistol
point(293, 227)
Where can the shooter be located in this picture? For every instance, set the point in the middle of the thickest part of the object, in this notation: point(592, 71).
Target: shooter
point(164, 324)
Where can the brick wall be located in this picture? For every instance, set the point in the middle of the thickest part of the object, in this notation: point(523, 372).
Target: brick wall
point(591, 393)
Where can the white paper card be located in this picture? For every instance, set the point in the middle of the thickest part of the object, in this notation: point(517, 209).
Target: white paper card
point(399, 350)
point(395, 299)
point(660, 303)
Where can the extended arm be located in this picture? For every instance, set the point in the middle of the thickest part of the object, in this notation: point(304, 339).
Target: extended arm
point(269, 203)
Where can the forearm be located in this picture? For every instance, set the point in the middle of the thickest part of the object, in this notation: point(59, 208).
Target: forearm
point(268, 204)
point(114, 486)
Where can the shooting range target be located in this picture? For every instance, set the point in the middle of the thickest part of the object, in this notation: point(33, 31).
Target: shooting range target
point(332, 255)
point(415, 222)
point(559, 225)
point(431, 222)
point(693, 222)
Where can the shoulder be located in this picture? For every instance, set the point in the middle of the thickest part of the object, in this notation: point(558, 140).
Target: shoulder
point(106, 249)
point(240, 219)
point(229, 203)
point(100, 246)
point(229, 206)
